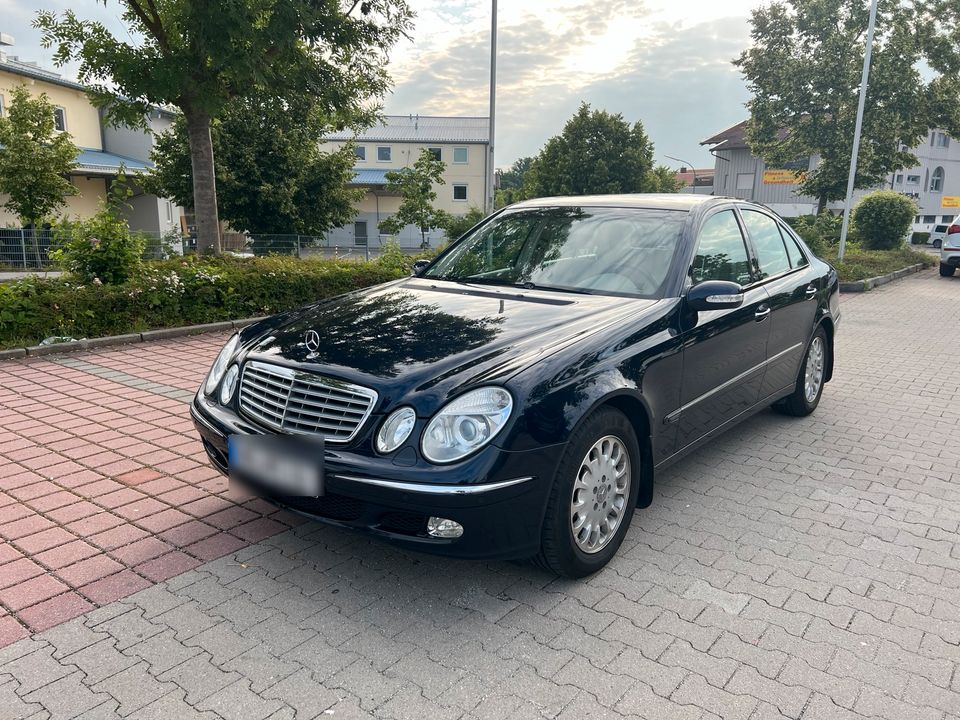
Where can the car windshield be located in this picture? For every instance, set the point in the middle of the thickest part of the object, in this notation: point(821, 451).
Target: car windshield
point(615, 251)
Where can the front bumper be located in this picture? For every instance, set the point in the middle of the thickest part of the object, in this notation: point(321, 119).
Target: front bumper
point(498, 496)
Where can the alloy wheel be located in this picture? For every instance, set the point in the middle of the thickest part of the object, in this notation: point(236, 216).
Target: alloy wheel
point(813, 377)
point(600, 492)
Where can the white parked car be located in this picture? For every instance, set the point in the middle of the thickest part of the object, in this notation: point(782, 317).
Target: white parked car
point(950, 251)
point(937, 235)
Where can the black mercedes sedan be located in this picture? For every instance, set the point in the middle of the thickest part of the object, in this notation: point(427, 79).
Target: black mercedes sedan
point(515, 397)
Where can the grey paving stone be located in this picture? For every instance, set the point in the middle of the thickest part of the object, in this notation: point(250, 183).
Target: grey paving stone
point(12, 706)
point(133, 688)
point(162, 652)
point(305, 695)
point(100, 661)
point(36, 669)
point(199, 677)
point(66, 697)
point(172, 706)
point(238, 702)
point(71, 636)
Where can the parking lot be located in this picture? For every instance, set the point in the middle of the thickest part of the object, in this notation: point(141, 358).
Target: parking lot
point(799, 568)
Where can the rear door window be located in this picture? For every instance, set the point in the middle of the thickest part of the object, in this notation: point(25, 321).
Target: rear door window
point(767, 242)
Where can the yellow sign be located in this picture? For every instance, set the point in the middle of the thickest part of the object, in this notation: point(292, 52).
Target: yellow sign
point(780, 177)
point(951, 201)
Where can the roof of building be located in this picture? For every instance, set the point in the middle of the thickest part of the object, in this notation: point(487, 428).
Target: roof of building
point(98, 162)
point(732, 138)
point(701, 175)
point(369, 176)
point(422, 128)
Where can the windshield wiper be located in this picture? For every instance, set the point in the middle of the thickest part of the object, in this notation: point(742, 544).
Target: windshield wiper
point(552, 288)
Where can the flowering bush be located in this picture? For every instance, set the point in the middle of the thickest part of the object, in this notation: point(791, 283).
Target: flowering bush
point(101, 249)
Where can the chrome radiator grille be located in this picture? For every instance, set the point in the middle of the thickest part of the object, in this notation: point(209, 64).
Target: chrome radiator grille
point(293, 401)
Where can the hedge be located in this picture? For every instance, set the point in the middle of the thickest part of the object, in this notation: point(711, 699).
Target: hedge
point(177, 292)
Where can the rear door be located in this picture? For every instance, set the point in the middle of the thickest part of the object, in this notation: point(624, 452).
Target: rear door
point(724, 351)
point(793, 286)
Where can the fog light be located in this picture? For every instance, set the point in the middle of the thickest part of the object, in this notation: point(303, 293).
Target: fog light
point(444, 528)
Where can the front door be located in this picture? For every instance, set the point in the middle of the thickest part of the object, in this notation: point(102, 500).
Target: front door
point(724, 351)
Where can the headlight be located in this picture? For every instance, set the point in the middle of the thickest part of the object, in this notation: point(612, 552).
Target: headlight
point(396, 429)
point(220, 364)
point(466, 424)
point(229, 384)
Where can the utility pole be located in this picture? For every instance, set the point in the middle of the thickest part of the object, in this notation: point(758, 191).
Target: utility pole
point(871, 25)
point(491, 189)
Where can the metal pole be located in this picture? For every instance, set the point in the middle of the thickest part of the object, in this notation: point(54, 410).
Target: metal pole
point(857, 129)
point(692, 169)
point(23, 247)
point(491, 190)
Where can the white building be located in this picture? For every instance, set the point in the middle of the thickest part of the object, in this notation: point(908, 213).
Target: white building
point(934, 183)
point(462, 143)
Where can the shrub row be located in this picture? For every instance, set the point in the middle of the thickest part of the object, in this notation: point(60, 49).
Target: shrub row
point(184, 291)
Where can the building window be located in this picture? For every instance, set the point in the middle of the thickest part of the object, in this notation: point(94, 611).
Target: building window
point(460, 193)
point(437, 153)
point(361, 152)
point(936, 181)
point(947, 219)
point(916, 220)
point(913, 179)
point(744, 181)
point(940, 139)
point(929, 219)
point(383, 154)
point(460, 156)
point(899, 180)
point(1, 105)
point(60, 119)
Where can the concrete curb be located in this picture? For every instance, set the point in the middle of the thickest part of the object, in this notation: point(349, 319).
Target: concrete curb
point(111, 340)
point(870, 283)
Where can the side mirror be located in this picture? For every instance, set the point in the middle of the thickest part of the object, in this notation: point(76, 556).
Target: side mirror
point(714, 295)
point(419, 266)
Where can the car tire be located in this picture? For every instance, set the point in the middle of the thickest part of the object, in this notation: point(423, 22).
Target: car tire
point(583, 472)
point(947, 270)
point(806, 395)
point(937, 244)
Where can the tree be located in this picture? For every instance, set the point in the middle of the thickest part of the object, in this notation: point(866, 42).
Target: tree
point(457, 225)
point(664, 180)
point(415, 186)
point(271, 175)
point(597, 153)
point(199, 56)
point(804, 72)
point(35, 159)
point(510, 183)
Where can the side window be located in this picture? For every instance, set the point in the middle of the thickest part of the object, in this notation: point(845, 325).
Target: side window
point(721, 254)
point(768, 243)
point(797, 258)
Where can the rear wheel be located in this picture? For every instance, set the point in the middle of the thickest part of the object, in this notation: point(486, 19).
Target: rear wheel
point(947, 270)
point(937, 243)
point(593, 497)
point(809, 388)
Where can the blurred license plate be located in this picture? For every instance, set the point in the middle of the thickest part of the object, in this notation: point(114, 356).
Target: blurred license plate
point(279, 464)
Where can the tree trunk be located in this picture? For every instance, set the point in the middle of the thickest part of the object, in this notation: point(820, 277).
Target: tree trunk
point(821, 204)
point(204, 182)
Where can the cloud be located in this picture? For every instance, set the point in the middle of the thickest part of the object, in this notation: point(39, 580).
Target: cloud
point(674, 77)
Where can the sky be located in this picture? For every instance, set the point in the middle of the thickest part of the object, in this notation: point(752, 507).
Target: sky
point(663, 62)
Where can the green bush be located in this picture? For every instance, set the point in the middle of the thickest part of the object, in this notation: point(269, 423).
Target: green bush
point(457, 225)
point(859, 263)
point(920, 238)
point(883, 219)
point(821, 232)
point(184, 291)
point(101, 249)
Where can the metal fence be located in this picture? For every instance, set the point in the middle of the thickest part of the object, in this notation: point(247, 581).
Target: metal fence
point(26, 249)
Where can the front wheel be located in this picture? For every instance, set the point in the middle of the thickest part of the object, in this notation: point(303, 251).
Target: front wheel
point(947, 270)
point(813, 371)
point(593, 497)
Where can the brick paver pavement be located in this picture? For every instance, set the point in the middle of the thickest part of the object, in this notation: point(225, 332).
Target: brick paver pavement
point(799, 568)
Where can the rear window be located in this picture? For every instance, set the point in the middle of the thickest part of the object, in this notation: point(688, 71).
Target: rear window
point(940, 228)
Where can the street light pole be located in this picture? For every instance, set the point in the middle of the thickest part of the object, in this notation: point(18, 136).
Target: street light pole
point(491, 189)
point(692, 169)
point(871, 25)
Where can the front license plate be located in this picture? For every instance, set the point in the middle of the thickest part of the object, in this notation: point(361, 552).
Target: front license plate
point(280, 465)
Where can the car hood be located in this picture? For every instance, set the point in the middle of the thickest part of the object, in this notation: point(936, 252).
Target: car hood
point(431, 336)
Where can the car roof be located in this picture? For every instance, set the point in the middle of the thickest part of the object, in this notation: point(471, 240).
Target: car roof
point(651, 201)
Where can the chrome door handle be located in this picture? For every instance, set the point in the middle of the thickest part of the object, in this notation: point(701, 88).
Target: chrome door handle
point(810, 291)
point(761, 313)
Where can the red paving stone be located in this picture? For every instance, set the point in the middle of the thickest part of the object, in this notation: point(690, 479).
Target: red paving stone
point(105, 488)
